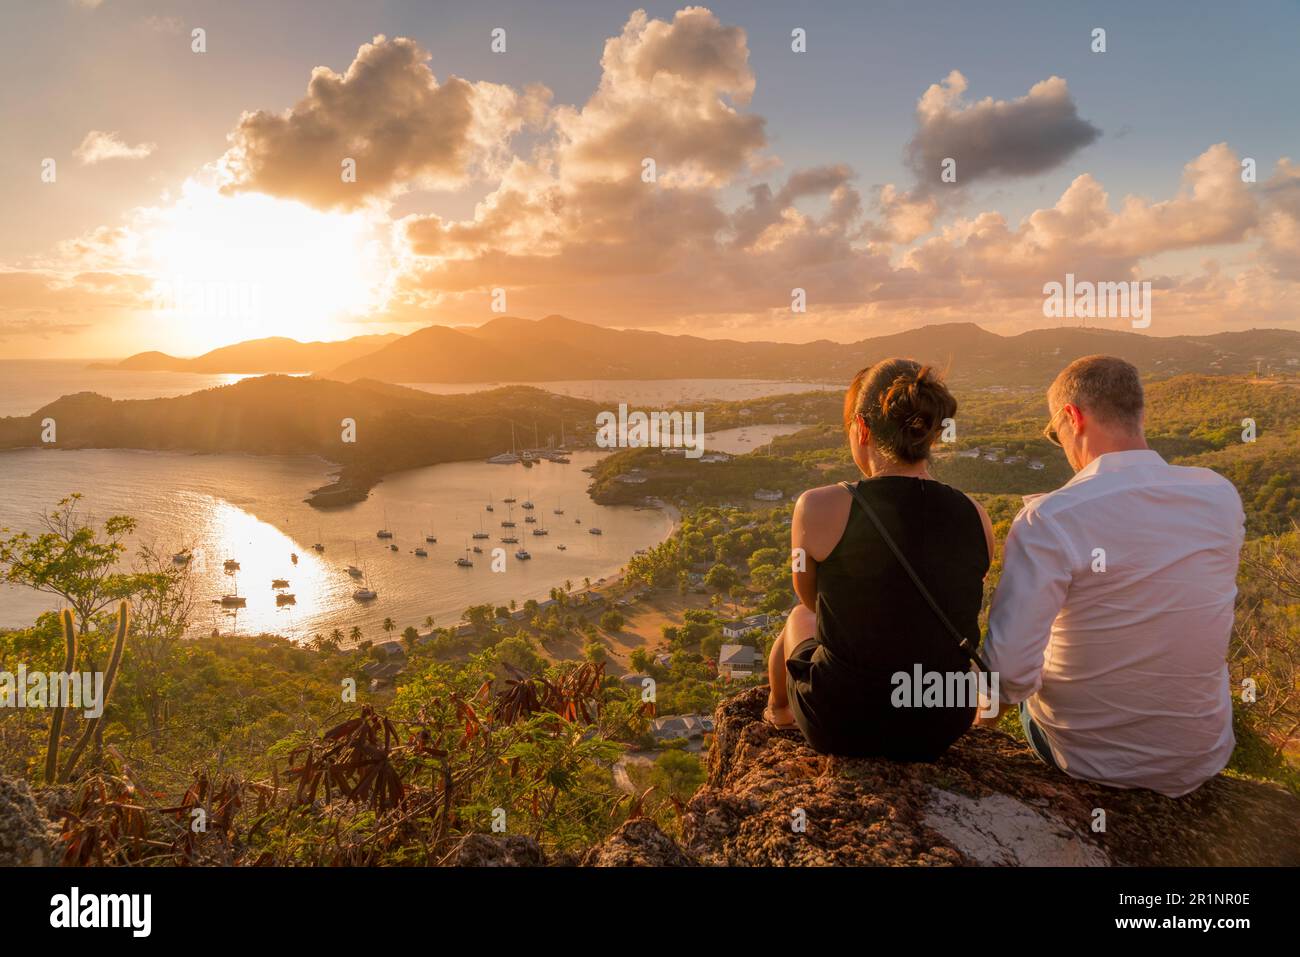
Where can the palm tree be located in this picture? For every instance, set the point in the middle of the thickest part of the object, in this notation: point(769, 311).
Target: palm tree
point(586, 583)
point(337, 635)
point(389, 625)
point(355, 633)
point(428, 621)
point(568, 585)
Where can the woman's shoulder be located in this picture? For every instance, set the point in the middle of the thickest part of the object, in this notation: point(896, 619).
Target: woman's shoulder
point(821, 498)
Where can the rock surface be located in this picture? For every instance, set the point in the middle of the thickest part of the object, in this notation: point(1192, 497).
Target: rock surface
point(770, 800)
point(989, 801)
point(27, 838)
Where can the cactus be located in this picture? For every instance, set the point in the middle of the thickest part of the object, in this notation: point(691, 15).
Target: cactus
point(56, 722)
point(110, 677)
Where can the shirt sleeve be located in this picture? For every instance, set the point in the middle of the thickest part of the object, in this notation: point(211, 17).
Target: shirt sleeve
point(1036, 575)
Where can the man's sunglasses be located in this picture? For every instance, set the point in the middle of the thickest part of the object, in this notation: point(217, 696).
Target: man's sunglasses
point(1050, 432)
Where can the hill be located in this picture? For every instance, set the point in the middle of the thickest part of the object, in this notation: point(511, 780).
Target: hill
point(395, 427)
point(273, 354)
point(512, 349)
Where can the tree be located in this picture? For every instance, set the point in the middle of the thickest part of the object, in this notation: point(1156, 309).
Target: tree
point(409, 637)
point(677, 773)
point(611, 621)
point(639, 659)
point(70, 559)
point(355, 634)
point(389, 625)
point(595, 652)
point(428, 621)
point(720, 577)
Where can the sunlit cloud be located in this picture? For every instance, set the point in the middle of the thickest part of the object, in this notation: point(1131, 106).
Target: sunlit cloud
point(99, 146)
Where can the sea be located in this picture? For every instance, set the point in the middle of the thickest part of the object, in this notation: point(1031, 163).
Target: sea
point(249, 509)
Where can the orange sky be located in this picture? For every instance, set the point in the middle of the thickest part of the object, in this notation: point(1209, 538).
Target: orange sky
point(381, 194)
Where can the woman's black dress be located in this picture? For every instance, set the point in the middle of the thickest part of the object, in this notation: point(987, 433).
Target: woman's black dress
point(872, 624)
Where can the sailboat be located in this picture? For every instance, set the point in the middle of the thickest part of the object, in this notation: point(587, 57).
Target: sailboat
point(318, 546)
point(384, 532)
point(421, 551)
point(559, 508)
point(528, 505)
point(279, 583)
point(352, 569)
point(522, 554)
point(510, 499)
point(234, 599)
point(465, 561)
point(480, 534)
point(365, 592)
point(488, 507)
point(509, 522)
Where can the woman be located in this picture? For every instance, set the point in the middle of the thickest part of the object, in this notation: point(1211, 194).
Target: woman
point(862, 619)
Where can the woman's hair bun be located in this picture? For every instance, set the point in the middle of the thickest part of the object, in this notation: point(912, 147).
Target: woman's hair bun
point(905, 405)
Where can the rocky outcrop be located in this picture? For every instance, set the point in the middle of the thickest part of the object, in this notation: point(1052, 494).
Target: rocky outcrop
point(638, 843)
point(770, 800)
point(497, 850)
point(27, 838)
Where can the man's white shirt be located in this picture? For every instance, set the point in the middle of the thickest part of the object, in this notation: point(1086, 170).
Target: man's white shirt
point(1112, 618)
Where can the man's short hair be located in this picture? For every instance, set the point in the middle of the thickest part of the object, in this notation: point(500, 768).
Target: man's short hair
point(1105, 386)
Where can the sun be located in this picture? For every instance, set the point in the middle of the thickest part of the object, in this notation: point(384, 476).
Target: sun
point(244, 266)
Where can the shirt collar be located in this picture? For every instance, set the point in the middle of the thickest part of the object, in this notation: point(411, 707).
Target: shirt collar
point(1117, 461)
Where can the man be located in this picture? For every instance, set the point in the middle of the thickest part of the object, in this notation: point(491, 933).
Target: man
point(1111, 620)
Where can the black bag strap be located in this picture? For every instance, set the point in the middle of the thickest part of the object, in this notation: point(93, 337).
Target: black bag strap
point(962, 641)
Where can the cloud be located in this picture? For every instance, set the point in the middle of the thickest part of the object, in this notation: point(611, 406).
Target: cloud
point(996, 138)
point(1280, 224)
point(157, 24)
point(390, 115)
point(99, 146)
point(668, 91)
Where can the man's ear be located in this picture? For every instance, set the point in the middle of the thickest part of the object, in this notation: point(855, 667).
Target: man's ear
point(1075, 415)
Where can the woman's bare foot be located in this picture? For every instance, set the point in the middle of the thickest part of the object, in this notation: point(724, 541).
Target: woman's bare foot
point(780, 718)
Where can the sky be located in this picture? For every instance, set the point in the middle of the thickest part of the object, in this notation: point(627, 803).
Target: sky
point(181, 175)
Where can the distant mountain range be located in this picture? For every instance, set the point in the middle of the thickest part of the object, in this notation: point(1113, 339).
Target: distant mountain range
point(520, 350)
point(274, 354)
